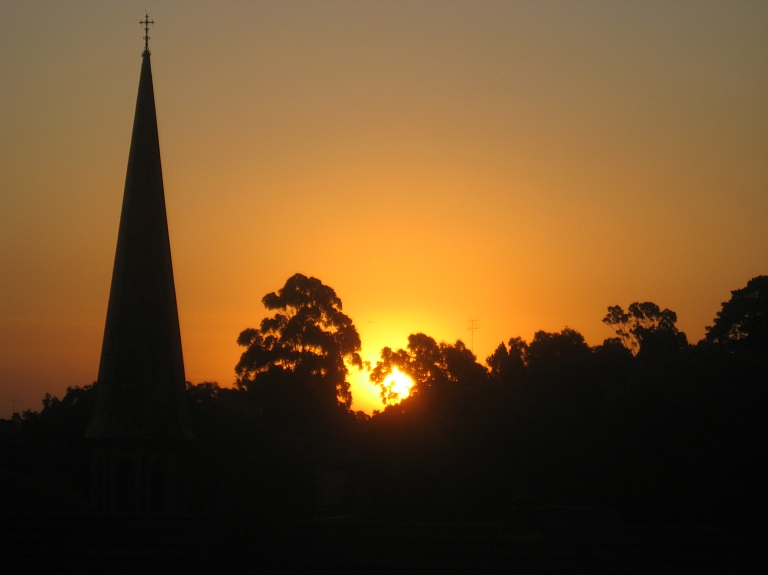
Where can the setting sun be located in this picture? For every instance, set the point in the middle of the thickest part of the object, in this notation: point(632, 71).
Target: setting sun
point(399, 385)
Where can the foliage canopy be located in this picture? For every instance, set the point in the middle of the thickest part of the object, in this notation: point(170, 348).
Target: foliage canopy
point(431, 365)
point(309, 335)
point(743, 321)
point(645, 329)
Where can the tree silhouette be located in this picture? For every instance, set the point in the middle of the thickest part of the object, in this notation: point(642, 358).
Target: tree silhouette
point(646, 329)
point(563, 348)
point(743, 321)
point(507, 362)
point(566, 423)
point(431, 366)
point(309, 336)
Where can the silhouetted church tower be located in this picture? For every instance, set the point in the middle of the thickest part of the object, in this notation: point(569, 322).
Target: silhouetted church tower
point(140, 427)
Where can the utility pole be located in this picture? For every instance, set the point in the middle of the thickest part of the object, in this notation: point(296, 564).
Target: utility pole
point(472, 327)
point(13, 404)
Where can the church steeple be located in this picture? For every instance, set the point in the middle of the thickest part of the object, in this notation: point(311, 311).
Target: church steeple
point(141, 404)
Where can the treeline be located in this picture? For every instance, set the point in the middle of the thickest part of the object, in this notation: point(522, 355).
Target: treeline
point(664, 431)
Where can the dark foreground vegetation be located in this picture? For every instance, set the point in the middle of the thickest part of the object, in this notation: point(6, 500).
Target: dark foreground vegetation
point(663, 431)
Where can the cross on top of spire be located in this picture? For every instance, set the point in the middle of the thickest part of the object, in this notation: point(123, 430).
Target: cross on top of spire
point(146, 22)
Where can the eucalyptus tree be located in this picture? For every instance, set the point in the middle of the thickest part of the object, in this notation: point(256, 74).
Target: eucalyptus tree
point(308, 339)
point(743, 321)
point(645, 329)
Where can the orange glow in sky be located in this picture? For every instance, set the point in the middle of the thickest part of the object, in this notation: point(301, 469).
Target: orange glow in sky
point(527, 164)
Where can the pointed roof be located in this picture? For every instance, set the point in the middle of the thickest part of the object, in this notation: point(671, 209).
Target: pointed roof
point(141, 374)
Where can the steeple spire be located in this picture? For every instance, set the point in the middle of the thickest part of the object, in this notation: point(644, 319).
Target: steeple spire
point(140, 418)
point(146, 22)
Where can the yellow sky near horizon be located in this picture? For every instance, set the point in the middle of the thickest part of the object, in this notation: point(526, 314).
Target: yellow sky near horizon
point(524, 163)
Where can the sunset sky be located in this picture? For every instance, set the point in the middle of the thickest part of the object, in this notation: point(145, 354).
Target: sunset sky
point(526, 164)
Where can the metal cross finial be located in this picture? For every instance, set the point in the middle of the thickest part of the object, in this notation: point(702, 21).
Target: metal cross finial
point(146, 22)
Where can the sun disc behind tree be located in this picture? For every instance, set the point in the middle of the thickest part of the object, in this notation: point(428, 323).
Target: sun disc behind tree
point(399, 385)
